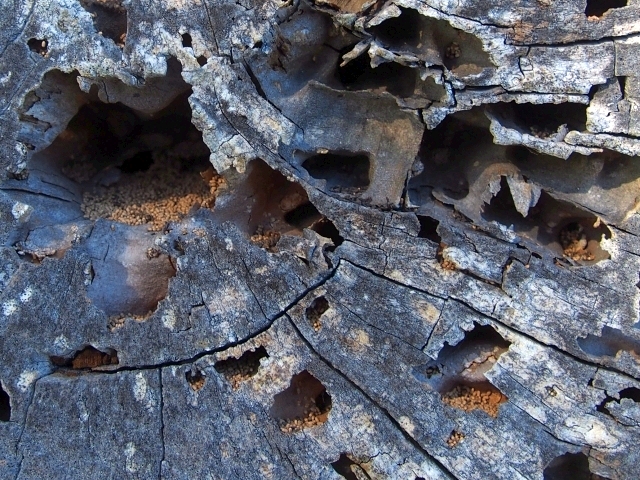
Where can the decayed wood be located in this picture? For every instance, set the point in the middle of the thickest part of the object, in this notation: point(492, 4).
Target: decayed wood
point(418, 255)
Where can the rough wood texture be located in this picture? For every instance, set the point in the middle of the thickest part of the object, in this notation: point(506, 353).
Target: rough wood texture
point(422, 261)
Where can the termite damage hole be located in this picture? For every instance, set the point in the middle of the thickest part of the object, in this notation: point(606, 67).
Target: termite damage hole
point(391, 77)
point(441, 43)
point(304, 404)
point(570, 466)
point(349, 469)
point(561, 227)
point(238, 370)
point(266, 205)
point(343, 172)
point(129, 168)
point(143, 164)
point(195, 378)
point(142, 171)
point(315, 311)
point(5, 406)
point(39, 46)
point(429, 228)
point(547, 121)
point(445, 156)
point(630, 393)
point(109, 18)
point(458, 372)
point(455, 438)
point(87, 358)
point(597, 8)
point(575, 243)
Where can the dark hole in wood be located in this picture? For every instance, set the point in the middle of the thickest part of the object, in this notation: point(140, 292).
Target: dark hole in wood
point(549, 223)
point(39, 46)
point(344, 467)
point(5, 406)
point(305, 403)
point(339, 170)
point(429, 228)
point(570, 466)
point(140, 162)
point(597, 8)
point(303, 215)
point(458, 372)
point(392, 77)
point(195, 378)
point(315, 311)
point(186, 40)
point(87, 358)
point(325, 228)
point(608, 343)
point(548, 117)
point(237, 370)
point(402, 30)
point(446, 154)
point(108, 18)
point(631, 393)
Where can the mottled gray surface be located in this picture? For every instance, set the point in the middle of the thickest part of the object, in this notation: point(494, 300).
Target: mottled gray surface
point(481, 131)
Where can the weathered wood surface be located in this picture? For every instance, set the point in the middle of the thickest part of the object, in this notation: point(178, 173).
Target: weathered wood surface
point(446, 146)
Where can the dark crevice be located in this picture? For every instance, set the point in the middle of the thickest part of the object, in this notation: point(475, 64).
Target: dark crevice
point(5, 406)
point(602, 406)
point(304, 404)
point(402, 31)
point(557, 225)
point(623, 85)
point(437, 40)
point(314, 312)
point(347, 468)
point(39, 46)
point(429, 229)
point(256, 84)
point(458, 372)
point(542, 120)
point(343, 172)
point(392, 77)
point(88, 358)
point(109, 18)
point(237, 370)
point(303, 216)
point(444, 157)
point(186, 40)
point(326, 228)
point(597, 8)
point(631, 393)
point(570, 466)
